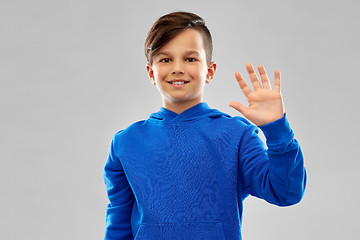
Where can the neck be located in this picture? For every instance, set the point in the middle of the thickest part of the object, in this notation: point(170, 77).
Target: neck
point(179, 107)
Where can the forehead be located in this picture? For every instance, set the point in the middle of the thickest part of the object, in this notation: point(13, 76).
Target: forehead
point(188, 40)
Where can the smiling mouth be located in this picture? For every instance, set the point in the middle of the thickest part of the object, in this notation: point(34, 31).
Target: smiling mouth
point(178, 82)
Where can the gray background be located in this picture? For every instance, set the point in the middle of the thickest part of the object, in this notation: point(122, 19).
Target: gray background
point(73, 73)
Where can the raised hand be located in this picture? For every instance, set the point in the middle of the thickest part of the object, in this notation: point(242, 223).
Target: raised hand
point(265, 104)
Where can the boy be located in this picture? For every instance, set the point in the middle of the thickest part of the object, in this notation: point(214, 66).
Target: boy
point(184, 172)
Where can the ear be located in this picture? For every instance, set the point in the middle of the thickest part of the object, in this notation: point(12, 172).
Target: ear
point(211, 72)
point(150, 74)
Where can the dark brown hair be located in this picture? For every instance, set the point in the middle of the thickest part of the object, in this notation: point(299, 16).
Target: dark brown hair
point(169, 26)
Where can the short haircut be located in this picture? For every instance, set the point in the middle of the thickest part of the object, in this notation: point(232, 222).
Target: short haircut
point(169, 26)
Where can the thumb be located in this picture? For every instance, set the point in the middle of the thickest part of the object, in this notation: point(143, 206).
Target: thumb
point(238, 106)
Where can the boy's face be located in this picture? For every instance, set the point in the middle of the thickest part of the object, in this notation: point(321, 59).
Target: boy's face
point(179, 70)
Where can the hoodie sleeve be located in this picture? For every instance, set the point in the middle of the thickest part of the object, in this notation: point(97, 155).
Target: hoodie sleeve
point(276, 174)
point(121, 198)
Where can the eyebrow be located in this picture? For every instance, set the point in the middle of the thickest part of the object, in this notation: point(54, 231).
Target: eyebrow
point(189, 52)
point(192, 52)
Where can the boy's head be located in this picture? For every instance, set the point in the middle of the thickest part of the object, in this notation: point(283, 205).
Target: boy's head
point(178, 49)
point(169, 26)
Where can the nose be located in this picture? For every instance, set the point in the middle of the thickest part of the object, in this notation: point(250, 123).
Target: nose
point(178, 68)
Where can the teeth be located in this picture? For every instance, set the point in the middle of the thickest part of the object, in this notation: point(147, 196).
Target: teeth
point(178, 82)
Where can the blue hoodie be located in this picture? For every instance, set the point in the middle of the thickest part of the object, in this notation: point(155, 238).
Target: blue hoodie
point(185, 176)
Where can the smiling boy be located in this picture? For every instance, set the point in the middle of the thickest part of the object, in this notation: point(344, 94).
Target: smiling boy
point(184, 172)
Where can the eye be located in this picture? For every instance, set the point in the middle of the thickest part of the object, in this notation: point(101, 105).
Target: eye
point(165, 60)
point(191, 59)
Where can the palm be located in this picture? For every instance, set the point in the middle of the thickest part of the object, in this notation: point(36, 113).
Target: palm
point(265, 104)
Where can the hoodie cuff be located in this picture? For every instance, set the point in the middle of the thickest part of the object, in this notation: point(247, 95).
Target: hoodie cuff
point(277, 132)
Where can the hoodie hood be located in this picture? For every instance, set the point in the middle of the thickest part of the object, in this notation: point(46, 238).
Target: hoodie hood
point(191, 114)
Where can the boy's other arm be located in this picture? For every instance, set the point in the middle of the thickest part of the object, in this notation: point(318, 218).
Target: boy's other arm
point(276, 174)
point(121, 198)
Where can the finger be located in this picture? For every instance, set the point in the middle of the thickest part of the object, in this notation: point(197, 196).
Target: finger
point(264, 77)
point(238, 106)
point(243, 85)
point(253, 77)
point(277, 82)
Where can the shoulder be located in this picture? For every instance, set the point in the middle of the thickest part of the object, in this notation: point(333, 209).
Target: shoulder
point(129, 131)
point(236, 126)
point(125, 138)
point(232, 120)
